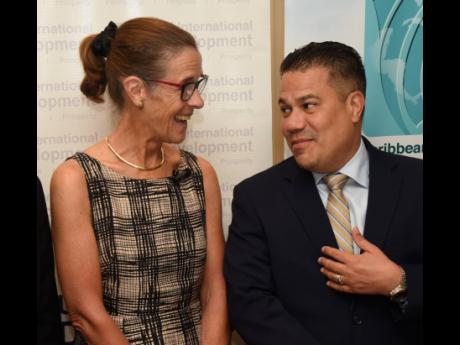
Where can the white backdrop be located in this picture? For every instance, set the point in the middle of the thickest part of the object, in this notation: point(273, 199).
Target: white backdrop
point(232, 131)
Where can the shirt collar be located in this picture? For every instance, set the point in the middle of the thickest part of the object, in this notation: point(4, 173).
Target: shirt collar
point(357, 168)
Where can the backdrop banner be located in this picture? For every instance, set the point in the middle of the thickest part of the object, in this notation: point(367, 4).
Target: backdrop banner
point(232, 131)
point(388, 34)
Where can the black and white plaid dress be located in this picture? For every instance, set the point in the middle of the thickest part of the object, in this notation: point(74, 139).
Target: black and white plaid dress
point(152, 249)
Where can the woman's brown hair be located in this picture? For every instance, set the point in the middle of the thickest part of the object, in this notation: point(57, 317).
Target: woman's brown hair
point(140, 47)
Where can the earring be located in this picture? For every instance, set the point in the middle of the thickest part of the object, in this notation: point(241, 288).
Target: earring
point(140, 105)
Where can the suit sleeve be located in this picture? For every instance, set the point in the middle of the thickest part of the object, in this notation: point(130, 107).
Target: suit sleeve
point(254, 310)
point(414, 276)
point(413, 265)
point(414, 269)
point(49, 330)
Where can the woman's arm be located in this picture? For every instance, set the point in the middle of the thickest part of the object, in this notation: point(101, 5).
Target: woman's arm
point(77, 258)
point(214, 322)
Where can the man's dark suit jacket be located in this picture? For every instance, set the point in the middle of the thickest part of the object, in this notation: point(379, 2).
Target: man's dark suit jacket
point(276, 293)
point(49, 327)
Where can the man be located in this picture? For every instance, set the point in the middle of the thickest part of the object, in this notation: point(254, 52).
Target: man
point(49, 327)
point(325, 248)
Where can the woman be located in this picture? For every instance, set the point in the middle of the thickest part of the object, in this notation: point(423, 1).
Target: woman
point(136, 221)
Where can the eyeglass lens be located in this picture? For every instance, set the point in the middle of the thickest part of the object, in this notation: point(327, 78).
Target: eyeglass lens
point(190, 88)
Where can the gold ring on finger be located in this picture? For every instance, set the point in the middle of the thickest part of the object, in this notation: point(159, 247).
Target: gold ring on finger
point(339, 279)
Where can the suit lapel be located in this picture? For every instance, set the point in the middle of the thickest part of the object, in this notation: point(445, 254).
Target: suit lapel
point(304, 199)
point(384, 186)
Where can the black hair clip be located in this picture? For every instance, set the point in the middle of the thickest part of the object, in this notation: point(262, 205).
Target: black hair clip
point(102, 42)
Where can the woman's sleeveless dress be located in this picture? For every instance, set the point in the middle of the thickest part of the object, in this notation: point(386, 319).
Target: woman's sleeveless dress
point(151, 239)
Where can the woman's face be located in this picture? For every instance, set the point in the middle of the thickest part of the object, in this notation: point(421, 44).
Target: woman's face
point(168, 112)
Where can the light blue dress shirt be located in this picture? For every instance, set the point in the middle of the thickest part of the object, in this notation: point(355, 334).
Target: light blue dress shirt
point(356, 189)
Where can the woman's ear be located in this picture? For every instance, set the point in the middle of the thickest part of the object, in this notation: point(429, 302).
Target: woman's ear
point(356, 105)
point(135, 90)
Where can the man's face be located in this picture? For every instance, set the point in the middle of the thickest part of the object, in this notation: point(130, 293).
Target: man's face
point(321, 125)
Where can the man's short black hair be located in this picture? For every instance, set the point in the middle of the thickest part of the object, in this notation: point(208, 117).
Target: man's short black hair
point(343, 62)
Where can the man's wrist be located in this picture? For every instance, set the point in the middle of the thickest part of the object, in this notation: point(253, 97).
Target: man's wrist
point(401, 288)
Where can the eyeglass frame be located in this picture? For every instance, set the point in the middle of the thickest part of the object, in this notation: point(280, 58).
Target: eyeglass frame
point(196, 84)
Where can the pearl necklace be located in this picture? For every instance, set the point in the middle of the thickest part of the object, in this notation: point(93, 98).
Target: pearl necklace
point(140, 167)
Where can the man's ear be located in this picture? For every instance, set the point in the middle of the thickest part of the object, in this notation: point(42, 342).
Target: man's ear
point(355, 103)
point(135, 90)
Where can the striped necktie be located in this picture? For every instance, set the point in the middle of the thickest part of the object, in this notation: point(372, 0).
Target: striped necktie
point(338, 211)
